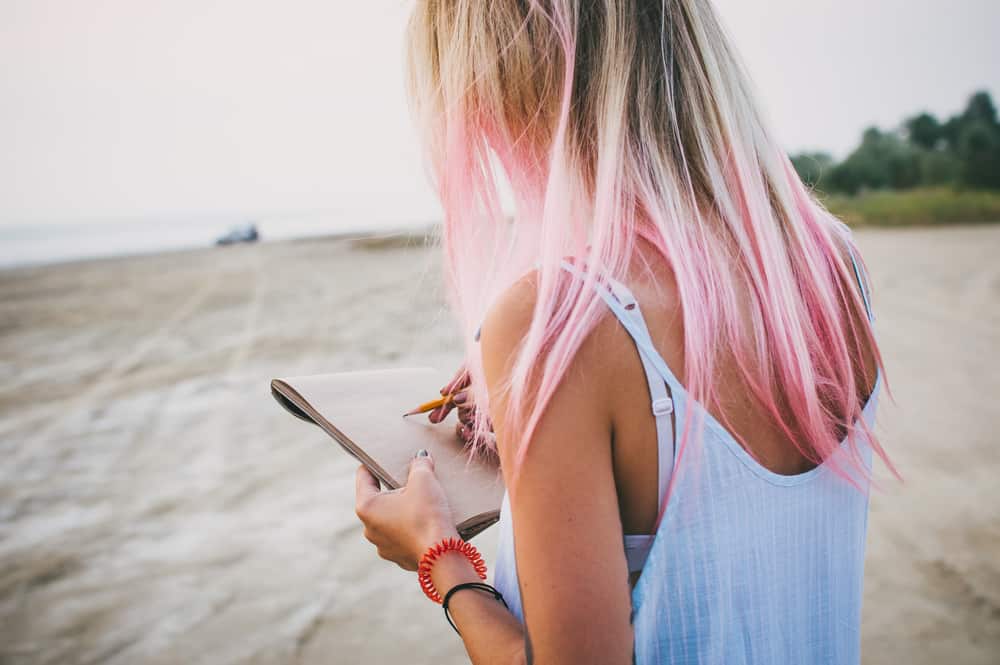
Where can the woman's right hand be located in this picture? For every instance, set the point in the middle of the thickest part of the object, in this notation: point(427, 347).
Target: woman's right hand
point(462, 401)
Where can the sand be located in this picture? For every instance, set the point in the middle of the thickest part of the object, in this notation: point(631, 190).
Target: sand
point(157, 507)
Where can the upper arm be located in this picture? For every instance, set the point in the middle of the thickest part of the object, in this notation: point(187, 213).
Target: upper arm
point(567, 530)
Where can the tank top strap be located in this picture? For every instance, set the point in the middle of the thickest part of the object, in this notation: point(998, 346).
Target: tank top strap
point(862, 284)
point(624, 306)
point(859, 273)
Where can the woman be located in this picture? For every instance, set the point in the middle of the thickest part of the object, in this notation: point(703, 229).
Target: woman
point(660, 232)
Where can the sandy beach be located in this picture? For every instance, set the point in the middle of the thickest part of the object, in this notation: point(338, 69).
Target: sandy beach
point(156, 506)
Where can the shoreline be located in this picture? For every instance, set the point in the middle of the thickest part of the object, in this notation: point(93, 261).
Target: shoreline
point(399, 237)
point(413, 234)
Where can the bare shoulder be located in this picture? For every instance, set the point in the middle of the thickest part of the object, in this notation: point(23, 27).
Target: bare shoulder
point(506, 326)
point(509, 319)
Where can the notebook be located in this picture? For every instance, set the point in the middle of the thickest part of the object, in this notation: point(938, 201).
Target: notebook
point(363, 412)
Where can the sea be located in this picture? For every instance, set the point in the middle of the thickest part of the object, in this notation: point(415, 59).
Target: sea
point(54, 242)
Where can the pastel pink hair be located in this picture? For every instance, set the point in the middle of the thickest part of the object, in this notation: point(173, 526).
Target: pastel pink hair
point(611, 121)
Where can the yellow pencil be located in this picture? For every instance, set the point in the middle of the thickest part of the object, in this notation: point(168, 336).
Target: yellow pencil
point(430, 406)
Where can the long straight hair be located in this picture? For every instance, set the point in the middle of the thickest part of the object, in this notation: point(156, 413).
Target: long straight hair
point(612, 120)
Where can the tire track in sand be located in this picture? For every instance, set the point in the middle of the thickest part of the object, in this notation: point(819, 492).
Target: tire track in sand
point(125, 363)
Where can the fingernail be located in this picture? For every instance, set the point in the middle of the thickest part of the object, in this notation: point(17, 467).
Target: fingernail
point(460, 397)
point(422, 453)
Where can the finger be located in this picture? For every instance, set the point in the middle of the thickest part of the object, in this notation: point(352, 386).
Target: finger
point(421, 462)
point(466, 415)
point(365, 486)
point(436, 415)
point(460, 380)
point(440, 413)
point(450, 386)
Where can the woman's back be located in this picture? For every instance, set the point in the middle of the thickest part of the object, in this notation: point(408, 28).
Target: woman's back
point(749, 566)
point(734, 407)
point(759, 557)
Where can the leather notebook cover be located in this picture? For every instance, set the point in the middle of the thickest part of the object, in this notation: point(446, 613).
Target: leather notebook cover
point(363, 412)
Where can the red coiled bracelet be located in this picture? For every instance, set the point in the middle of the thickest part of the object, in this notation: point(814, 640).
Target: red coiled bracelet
point(435, 552)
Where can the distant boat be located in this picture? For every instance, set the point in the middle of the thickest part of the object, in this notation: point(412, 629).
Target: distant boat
point(239, 234)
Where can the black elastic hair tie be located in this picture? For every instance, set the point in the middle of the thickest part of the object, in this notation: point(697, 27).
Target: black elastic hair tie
point(479, 586)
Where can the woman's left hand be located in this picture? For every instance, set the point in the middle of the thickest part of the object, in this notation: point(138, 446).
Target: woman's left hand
point(464, 403)
point(404, 523)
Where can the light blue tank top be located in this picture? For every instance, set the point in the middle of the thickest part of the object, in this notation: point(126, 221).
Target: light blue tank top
point(747, 566)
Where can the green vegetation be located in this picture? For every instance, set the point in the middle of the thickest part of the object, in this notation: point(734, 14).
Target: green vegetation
point(938, 205)
point(924, 172)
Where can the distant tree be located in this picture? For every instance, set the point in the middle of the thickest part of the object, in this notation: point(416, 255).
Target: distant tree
point(950, 132)
point(812, 166)
point(924, 130)
point(882, 160)
point(939, 167)
point(964, 150)
point(979, 155)
point(980, 109)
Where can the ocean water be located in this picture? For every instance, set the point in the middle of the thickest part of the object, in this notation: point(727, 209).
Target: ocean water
point(43, 243)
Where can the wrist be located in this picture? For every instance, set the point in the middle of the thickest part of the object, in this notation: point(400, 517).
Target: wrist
point(451, 569)
point(446, 563)
point(431, 536)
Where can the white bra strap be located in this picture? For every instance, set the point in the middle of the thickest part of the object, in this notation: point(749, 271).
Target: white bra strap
point(637, 550)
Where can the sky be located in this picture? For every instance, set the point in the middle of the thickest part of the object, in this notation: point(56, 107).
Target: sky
point(169, 109)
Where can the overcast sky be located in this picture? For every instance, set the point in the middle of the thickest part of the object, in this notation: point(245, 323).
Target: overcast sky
point(180, 108)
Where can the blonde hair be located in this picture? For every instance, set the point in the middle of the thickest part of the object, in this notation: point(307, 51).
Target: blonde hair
point(615, 120)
